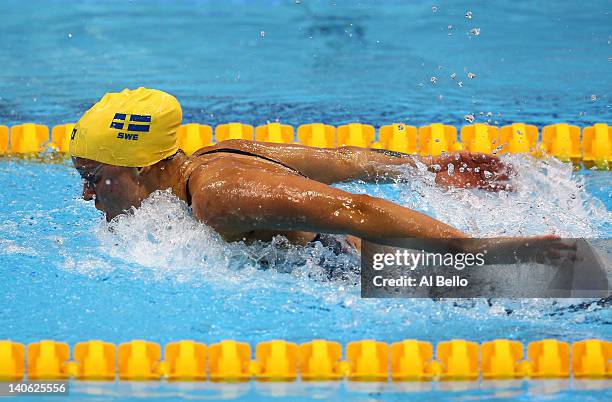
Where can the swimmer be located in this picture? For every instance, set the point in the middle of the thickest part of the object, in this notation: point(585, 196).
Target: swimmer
point(124, 148)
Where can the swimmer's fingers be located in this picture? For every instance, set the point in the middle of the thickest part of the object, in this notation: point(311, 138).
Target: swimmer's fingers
point(490, 173)
point(492, 166)
point(496, 186)
point(556, 252)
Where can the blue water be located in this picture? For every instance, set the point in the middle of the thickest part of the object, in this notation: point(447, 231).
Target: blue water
point(161, 276)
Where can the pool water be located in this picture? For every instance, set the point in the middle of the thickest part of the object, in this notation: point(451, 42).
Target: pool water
point(157, 274)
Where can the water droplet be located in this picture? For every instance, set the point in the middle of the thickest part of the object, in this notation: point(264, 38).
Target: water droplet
point(451, 169)
point(593, 98)
point(469, 118)
point(107, 182)
point(468, 15)
point(70, 35)
point(475, 31)
point(262, 33)
point(476, 169)
point(436, 167)
point(434, 9)
point(449, 27)
point(453, 76)
point(471, 75)
point(487, 174)
point(434, 80)
point(460, 83)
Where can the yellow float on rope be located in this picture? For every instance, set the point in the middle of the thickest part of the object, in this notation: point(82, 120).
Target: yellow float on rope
point(275, 132)
point(411, 360)
point(591, 359)
point(549, 358)
point(28, 138)
point(597, 146)
point(317, 135)
point(193, 136)
point(234, 131)
point(12, 356)
point(562, 141)
point(368, 360)
point(276, 360)
point(95, 360)
point(229, 361)
point(437, 138)
point(459, 359)
point(501, 358)
point(4, 139)
point(356, 134)
point(397, 137)
point(319, 360)
point(519, 138)
point(60, 137)
point(481, 138)
point(138, 360)
point(47, 360)
point(185, 360)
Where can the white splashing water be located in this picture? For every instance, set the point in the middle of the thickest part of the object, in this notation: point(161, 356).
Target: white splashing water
point(548, 199)
point(163, 236)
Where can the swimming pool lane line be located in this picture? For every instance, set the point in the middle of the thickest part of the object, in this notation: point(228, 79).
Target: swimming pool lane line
point(590, 146)
point(279, 360)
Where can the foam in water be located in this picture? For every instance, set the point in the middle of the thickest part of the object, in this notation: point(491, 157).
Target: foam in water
point(162, 235)
point(548, 199)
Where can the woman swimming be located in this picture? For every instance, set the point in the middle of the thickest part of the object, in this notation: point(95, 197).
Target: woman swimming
point(124, 147)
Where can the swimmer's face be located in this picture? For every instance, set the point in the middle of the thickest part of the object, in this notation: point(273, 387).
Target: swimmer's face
point(114, 189)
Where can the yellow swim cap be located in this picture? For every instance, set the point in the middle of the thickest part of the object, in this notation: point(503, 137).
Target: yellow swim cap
point(133, 128)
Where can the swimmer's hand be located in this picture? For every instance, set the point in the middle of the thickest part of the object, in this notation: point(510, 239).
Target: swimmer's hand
point(471, 170)
point(547, 249)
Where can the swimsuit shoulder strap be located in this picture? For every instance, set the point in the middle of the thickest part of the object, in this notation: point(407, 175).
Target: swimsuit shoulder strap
point(245, 153)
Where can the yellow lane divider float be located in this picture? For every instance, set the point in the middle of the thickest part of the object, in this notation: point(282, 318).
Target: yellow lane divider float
point(279, 360)
point(397, 137)
point(317, 135)
point(597, 146)
point(563, 141)
point(274, 132)
point(437, 138)
point(191, 137)
point(519, 138)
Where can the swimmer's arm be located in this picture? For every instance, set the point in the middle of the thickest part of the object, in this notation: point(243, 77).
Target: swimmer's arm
point(239, 204)
point(335, 165)
point(262, 201)
point(460, 169)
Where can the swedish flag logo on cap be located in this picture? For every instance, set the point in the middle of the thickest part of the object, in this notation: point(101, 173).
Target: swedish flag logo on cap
point(135, 122)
